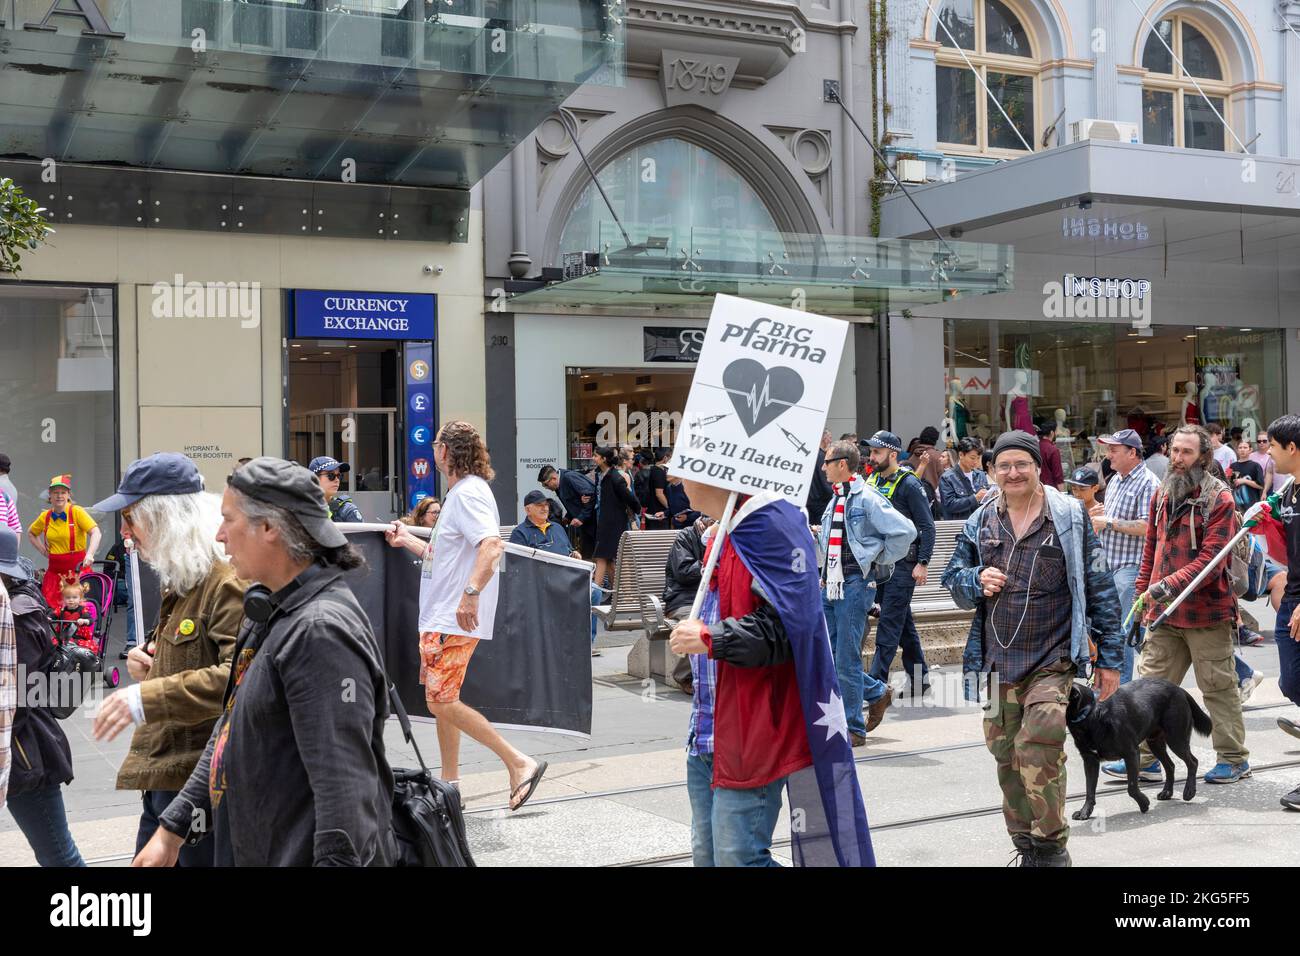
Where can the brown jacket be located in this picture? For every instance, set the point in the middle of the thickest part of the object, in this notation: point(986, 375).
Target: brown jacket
point(183, 693)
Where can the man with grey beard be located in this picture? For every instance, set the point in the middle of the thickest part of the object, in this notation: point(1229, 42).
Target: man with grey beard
point(1192, 519)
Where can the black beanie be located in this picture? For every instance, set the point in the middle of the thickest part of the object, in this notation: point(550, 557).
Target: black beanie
point(1018, 441)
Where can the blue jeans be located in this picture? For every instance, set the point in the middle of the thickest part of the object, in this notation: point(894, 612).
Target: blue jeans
point(730, 827)
point(1125, 578)
point(595, 599)
point(1288, 652)
point(1244, 670)
point(155, 802)
point(44, 822)
point(896, 627)
point(846, 620)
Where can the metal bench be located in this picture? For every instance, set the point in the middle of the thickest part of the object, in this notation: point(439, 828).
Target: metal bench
point(933, 598)
point(638, 574)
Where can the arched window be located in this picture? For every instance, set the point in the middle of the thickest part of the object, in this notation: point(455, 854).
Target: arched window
point(672, 184)
point(1173, 112)
point(997, 43)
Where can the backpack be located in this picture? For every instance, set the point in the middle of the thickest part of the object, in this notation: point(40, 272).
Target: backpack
point(1245, 562)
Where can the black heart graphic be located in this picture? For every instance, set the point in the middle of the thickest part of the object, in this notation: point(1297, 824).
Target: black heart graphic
point(761, 395)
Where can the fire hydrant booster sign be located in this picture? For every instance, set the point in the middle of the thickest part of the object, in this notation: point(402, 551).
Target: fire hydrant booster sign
point(759, 399)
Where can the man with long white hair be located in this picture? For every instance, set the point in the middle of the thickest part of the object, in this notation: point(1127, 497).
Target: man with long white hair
point(182, 670)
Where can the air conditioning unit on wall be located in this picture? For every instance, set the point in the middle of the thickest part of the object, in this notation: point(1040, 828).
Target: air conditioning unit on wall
point(910, 170)
point(1109, 130)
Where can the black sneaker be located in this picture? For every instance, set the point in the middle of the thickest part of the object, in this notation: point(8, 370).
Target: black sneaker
point(1292, 800)
point(1288, 726)
point(1050, 856)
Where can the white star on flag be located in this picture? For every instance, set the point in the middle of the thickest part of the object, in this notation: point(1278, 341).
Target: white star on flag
point(833, 718)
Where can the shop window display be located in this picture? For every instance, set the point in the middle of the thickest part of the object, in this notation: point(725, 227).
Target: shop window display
point(1095, 379)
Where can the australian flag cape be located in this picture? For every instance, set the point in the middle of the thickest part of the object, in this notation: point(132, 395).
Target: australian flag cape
point(827, 819)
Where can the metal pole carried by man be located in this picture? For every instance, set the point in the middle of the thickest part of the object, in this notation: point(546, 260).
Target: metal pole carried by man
point(1030, 566)
point(1192, 520)
point(183, 670)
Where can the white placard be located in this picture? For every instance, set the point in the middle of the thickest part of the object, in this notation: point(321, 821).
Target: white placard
point(759, 398)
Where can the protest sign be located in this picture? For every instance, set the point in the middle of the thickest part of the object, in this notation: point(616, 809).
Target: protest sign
point(759, 398)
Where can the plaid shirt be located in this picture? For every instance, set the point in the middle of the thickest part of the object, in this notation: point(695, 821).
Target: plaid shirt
point(704, 676)
point(8, 687)
point(1027, 626)
point(1187, 543)
point(1128, 498)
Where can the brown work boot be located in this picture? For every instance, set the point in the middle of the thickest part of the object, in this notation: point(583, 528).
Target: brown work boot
point(857, 740)
point(876, 712)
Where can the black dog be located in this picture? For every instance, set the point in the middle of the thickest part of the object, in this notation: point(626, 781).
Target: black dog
point(1150, 709)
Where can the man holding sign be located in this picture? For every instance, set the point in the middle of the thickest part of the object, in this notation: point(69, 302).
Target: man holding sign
point(776, 713)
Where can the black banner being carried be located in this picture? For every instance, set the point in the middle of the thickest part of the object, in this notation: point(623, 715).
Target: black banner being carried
point(535, 673)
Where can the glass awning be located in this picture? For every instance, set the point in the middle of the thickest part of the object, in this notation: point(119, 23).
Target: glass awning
point(670, 269)
point(405, 92)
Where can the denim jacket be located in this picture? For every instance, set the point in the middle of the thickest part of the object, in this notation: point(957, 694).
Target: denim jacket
point(1095, 609)
point(877, 532)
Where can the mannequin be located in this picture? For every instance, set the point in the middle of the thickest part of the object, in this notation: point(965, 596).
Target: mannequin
point(1191, 414)
point(1209, 401)
point(983, 428)
point(954, 423)
point(1064, 442)
point(1017, 405)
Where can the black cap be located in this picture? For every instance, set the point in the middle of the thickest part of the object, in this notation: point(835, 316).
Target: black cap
point(1125, 436)
point(286, 485)
point(326, 463)
point(1084, 478)
point(884, 439)
point(534, 497)
point(166, 473)
point(1018, 441)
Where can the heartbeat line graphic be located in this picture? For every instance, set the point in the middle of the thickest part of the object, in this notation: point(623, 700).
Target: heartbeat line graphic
point(758, 401)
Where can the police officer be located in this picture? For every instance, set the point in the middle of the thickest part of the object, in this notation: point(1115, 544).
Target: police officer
point(329, 472)
point(903, 489)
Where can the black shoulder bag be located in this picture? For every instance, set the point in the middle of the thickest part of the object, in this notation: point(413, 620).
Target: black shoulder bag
point(427, 819)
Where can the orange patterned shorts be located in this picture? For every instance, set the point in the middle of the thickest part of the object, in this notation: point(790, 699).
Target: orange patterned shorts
point(444, 658)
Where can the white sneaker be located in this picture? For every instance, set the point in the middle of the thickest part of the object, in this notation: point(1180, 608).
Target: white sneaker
point(1249, 684)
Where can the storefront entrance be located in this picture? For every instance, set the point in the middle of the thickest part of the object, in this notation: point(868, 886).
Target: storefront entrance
point(636, 406)
point(344, 402)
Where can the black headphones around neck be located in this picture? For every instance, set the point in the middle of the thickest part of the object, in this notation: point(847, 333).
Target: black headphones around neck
point(260, 602)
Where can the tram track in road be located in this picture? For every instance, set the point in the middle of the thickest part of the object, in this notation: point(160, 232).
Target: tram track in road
point(974, 812)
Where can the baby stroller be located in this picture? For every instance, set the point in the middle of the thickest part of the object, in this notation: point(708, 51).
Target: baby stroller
point(100, 596)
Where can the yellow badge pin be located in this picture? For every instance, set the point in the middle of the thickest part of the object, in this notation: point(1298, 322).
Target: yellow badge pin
point(187, 627)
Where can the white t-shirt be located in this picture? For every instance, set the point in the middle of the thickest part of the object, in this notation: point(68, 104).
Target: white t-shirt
point(1225, 456)
point(469, 515)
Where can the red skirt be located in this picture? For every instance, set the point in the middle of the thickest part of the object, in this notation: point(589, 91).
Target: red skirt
point(60, 564)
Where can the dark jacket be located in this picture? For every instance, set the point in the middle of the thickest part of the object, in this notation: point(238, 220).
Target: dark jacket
point(682, 572)
point(306, 781)
point(572, 488)
point(554, 539)
point(39, 751)
point(820, 491)
point(910, 499)
point(756, 640)
point(342, 508)
point(957, 492)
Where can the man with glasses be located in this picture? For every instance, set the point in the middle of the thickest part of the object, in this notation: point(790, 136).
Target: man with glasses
point(329, 473)
point(1121, 522)
point(1029, 564)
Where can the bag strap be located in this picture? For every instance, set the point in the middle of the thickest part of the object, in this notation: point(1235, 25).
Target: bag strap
point(405, 721)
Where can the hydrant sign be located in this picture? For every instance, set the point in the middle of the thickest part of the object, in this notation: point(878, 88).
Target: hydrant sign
point(759, 399)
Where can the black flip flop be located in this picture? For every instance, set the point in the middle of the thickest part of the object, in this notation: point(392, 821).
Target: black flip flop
point(531, 783)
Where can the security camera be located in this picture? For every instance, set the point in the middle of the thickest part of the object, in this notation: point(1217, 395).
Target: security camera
point(1085, 202)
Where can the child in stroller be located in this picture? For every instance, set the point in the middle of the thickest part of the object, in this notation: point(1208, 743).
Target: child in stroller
point(75, 608)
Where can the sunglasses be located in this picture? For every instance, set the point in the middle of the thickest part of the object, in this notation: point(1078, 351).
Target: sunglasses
point(829, 460)
point(331, 475)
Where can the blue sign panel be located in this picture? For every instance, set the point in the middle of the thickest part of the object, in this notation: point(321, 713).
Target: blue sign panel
point(417, 379)
point(319, 314)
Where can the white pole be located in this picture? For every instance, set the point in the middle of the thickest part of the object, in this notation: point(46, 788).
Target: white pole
point(137, 599)
point(720, 539)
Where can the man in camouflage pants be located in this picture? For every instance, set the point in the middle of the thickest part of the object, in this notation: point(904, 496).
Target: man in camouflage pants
point(1030, 566)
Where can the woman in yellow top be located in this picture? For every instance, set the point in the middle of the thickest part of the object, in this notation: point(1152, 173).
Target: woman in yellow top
point(65, 534)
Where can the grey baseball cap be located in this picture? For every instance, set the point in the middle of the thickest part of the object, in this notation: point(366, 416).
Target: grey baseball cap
point(290, 486)
point(9, 555)
point(166, 473)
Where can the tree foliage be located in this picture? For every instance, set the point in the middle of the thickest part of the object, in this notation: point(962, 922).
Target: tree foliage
point(22, 225)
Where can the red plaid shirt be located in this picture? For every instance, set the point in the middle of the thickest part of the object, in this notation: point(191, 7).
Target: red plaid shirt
point(1170, 532)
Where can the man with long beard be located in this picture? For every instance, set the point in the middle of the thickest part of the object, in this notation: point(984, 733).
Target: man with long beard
point(1192, 519)
point(182, 670)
